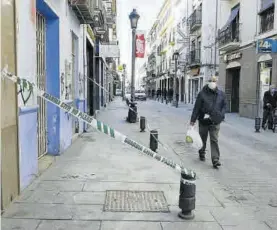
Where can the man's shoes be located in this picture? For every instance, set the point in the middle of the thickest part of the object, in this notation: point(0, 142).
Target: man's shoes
point(202, 155)
point(216, 164)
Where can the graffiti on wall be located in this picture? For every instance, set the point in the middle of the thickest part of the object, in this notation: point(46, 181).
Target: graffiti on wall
point(67, 81)
point(62, 84)
point(81, 79)
point(25, 90)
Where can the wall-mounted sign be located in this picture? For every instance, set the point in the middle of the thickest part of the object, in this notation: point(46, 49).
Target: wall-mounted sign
point(233, 56)
point(109, 51)
point(267, 45)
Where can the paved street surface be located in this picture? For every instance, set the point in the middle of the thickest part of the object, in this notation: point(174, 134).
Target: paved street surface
point(72, 193)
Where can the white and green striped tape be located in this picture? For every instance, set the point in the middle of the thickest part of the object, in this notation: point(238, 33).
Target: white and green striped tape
point(190, 175)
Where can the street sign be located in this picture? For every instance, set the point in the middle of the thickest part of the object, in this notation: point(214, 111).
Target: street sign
point(267, 45)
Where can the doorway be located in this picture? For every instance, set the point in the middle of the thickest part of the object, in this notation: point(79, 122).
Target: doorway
point(41, 82)
point(90, 83)
point(232, 89)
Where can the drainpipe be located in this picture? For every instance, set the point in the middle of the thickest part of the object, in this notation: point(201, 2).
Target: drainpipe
point(215, 37)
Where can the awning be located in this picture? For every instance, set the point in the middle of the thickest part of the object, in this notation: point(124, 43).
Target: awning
point(194, 72)
point(265, 57)
point(266, 4)
point(232, 17)
point(233, 64)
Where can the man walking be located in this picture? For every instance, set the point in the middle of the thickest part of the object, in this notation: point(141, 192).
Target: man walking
point(270, 103)
point(209, 109)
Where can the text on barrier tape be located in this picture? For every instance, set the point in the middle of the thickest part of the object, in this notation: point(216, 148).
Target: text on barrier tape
point(190, 175)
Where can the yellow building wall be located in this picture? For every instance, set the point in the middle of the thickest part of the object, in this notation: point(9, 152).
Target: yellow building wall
point(9, 114)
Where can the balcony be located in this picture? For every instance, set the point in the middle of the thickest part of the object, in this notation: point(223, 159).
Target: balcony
point(229, 38)
point(83, 10)
point(195, 58)
point(99, 13)
point(195, 20)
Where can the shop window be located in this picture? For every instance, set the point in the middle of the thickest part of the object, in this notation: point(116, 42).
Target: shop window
point(265, 77)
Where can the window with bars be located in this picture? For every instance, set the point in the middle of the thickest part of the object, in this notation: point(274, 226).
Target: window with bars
point(267, 19)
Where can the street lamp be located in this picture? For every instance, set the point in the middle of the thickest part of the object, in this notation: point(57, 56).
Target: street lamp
point(123, 82)
point(175, 99)
point(134, 17)
point(132, 114)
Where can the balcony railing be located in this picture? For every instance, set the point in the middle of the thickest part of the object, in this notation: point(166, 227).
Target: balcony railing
point(195, 20)
point(195, 57)
point(267, 20)
point(83, 10)
point(99, 13)
point(229, 36)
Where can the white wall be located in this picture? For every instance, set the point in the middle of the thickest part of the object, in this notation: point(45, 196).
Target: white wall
point(208, 30)
point(248, 20)
point(68, 24)
point(26, 46)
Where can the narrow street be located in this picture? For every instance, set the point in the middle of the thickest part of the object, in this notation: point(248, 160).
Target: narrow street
point(73, 192)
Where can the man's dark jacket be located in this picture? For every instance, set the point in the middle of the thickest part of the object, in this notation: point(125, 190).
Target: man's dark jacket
point(211, 102)
point(271, 99)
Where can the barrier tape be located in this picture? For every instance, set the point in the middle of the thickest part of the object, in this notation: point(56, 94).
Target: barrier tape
point(100, 126)
point(148, 127)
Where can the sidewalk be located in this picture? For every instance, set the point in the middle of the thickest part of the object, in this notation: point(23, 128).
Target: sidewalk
point(233, 120)
point(72, 193)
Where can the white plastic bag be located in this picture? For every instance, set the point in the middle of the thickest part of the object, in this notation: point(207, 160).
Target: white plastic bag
point(193, 138)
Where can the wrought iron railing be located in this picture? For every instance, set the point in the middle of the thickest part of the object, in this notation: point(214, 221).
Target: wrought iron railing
point(267, 20)
point(195, 19)
point(228, 35)
point(195, 56)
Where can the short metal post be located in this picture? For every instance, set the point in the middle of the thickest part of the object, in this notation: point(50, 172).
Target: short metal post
point(257, 124)
point(187, 197)
point(142, 124)
point(154, 140)
point(132, 113)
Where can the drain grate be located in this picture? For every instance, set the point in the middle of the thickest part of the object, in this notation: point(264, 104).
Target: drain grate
point(135, 201)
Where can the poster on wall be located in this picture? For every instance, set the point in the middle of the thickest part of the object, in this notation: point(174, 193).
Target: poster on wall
point(140, 45)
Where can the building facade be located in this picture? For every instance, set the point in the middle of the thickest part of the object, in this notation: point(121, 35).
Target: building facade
point(191, 31)
point(202, 61)
point(247, 63)
point(58, 45)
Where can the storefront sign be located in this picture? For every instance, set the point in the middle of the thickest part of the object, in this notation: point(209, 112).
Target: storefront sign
point(267, 45)
point(231, 57)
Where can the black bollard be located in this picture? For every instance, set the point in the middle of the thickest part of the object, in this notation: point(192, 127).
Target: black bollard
point(257, 124)
point(154, 140)
point(132, 113)
point(142, 124)
point(187, 197)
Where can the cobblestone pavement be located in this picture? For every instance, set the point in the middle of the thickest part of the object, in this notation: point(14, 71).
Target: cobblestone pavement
point(72, 193)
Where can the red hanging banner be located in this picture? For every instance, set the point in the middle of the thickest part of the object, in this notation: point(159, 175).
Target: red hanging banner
point(140, 45)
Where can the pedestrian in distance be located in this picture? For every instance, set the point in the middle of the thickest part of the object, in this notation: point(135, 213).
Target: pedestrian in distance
point(270, 103)
point(209, 109)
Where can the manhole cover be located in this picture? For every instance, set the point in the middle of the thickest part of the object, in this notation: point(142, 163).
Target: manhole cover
point(135, 201)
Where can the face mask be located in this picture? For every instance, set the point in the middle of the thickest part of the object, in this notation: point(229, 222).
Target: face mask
point(212, 85)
